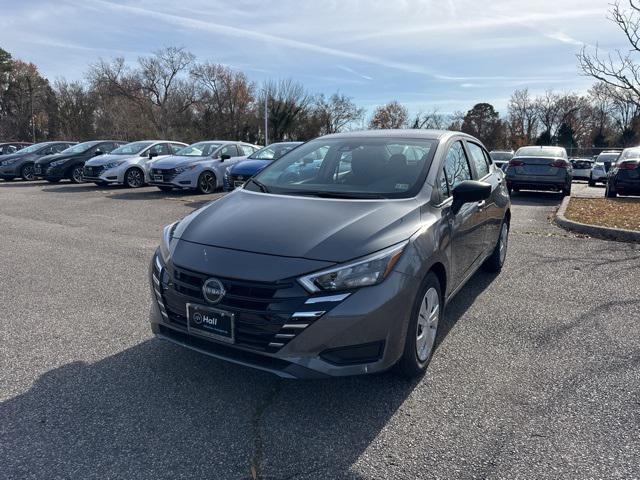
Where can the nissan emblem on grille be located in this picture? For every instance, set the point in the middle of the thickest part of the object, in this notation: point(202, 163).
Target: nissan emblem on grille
point(213, 290)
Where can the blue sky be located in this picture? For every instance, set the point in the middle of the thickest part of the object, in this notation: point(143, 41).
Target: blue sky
point(447, 54)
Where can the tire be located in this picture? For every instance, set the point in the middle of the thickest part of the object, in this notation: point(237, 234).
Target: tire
point(592, 182)
point(134, 178)
point(422, 332)
point(75, 175)
point(206, 183)
point(27, 172)
point(566, 191)
point(165, 189)
point(610, 192)
point(496, 260)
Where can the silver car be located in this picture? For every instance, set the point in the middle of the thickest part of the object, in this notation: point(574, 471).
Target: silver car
point(129, 164)
point(603, 164)
point(201, 166)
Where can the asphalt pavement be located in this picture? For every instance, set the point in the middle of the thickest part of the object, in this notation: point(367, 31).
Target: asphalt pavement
point(537, 374)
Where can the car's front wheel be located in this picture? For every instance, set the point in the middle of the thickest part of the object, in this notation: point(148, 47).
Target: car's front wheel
point(422, 332)
point(76, 174)
point(610, 191)
point(207, 183)
point(27, 172)
point(134, 178)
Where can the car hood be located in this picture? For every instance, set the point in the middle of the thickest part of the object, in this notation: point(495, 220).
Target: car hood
point(176, 161)
point(47, 159)
point(13, 156)
point(331, 230)
point(249, 166)
point(104, 159)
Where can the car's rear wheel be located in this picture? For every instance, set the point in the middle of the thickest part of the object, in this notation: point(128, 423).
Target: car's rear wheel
point(207, 183)
point(76, 174)
point(27, 172)
point(422, 332)
point(592, 182)
point(495, 262)
point(566, 191)
point(134, 178)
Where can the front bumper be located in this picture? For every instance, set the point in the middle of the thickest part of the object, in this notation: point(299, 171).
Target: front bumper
point(53, 173)
point(598, 176)
point(169, 178)
point(98, 175)
point(362, 333)
point(9, 171)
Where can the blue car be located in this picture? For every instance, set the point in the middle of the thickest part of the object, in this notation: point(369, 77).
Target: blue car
point(244, 170)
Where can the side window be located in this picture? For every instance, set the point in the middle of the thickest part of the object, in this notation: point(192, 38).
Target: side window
point(174, 147)
point(479, 160)
point(246, 149)
point(58, 148)
point(160, 149)
point(456, 170)
point(230, 150)
point(105, 147)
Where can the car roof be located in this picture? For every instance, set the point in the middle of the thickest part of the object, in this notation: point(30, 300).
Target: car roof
point(401, 133)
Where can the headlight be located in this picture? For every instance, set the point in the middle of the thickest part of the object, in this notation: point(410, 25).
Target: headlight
point(110, 165)
point(367, 271)
point(167, 237)
point(4, 163)
point(56, 163)
point(185, 168)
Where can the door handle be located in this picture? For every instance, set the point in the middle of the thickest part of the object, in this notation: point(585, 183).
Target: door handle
point(482, 205)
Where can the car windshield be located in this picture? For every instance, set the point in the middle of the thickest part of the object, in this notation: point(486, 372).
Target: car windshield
point(274, 151)
point(501, 156)
point(131, 148)
point(80, 148)
point(350, 167)
point(202, 149)
point(607, 157)
point(540, 152)
point(33, 148)
point(630, 154)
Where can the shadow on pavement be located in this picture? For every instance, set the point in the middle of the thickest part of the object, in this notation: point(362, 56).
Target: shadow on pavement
point(74, 188)
point(22, 184)
point(158, 411)
point(532, 199)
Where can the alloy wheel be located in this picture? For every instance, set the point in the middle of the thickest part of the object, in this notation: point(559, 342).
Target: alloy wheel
point(207, 183)
point(76, 175)
point(28, 172)
point(134, 178)
point(504, 241)
point(427, 325)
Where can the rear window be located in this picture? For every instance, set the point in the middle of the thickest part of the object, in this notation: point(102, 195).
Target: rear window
point(541, 152)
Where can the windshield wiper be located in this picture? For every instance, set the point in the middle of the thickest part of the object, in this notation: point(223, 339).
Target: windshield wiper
point(356, 195)
point(263, 188)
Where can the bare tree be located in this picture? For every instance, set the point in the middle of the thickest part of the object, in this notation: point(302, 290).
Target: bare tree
point(76, 108)
point(522, 119)
point(157, 86)
point(226, 102)
point(287, 102)
point(392, 115)
point(337, 112)
point(432, 119)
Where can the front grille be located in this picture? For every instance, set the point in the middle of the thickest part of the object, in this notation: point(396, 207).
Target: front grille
point(166, 175)
point(92, 171)
point(267, 315)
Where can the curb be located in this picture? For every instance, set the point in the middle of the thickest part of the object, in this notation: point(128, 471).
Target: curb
point(618, 234)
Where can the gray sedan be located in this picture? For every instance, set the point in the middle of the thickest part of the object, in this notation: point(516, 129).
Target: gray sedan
point(540, 168)
point(201, 166)
point(345, 271)
point(129, 165)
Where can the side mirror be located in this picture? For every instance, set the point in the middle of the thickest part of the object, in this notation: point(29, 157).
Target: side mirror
point(97, 152)
point(469, 191)
point(224, 157)
point(152, 155)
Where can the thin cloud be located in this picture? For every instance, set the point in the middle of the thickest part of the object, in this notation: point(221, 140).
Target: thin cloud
point(351, 70)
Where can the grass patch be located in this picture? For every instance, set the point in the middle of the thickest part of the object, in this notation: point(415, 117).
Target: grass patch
point(606, 212)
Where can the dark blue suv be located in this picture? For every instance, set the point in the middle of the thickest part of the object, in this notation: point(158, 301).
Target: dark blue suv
point(244, 170)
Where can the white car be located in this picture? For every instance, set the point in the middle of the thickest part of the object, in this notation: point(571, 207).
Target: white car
point(129, 165)
point(201, 166)
point(581, 168)
point(602, 166)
